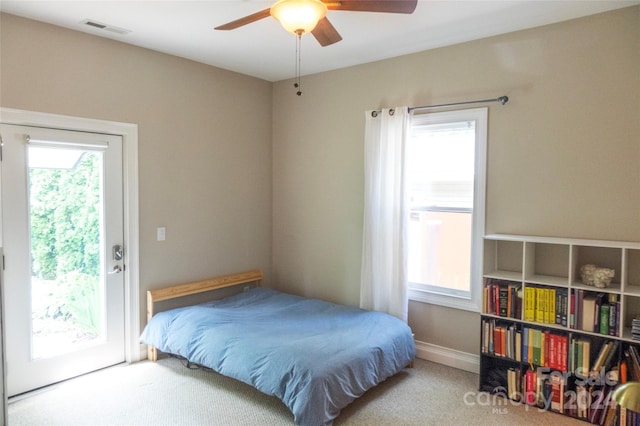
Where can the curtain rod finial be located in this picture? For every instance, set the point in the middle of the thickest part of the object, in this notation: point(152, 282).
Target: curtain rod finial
point(503, 99)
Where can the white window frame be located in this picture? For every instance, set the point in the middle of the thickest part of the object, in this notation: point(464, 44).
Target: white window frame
point(480, 116)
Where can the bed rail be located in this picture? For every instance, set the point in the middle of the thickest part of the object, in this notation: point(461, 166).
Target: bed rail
point(181, 290)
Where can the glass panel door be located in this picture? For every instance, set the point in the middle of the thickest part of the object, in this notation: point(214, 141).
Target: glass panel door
point(62, 225)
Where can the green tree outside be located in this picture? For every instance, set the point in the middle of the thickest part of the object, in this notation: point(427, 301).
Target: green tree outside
point(65, 237)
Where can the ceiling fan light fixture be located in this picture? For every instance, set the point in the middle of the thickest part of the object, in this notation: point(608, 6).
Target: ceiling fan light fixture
point(299, 16)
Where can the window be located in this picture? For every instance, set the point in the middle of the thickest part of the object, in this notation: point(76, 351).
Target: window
point(446, 156)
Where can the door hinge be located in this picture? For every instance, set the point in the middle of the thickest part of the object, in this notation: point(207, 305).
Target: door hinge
point(1, 146)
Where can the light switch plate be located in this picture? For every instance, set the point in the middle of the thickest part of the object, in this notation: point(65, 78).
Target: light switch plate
point(161, 233)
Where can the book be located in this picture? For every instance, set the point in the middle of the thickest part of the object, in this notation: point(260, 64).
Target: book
point(551, 306)
point(582, 401)
point(492, 345)
point(623, 371)
point(564, 343)
point(539, 303)
point(531, 346)
point(572, 310)
point(604, 319)
point(601, 358)
point(558, 303)
point(511, 342)
point(561, 306)
point(601, 299)
point(613, 318)
point(586, 356)
point(513, 384)
point(544, 349)
point(572, 355)
point(516, 301)
point(588, 312)
point(622, 415)
point(503, 301)
point(635, 328)
point(557, 393)
point(551, 350)
point(545, 393)
point(612, 357)
point(484, 339)
point(610, 416)
point(578, 307)
point(530, 388)
point(529, 304)
point(542, 390)
point(632, 359)
point(497, 341)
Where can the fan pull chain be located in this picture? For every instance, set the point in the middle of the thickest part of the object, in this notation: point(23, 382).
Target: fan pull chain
point(298, 49)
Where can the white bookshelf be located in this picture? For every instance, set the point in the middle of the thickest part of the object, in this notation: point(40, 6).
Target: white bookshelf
point(556, 262)
point(517, 261)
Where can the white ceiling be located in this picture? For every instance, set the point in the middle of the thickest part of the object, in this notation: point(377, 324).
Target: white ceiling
point(263, 49)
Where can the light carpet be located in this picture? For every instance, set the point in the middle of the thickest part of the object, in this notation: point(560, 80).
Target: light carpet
point(168, 393)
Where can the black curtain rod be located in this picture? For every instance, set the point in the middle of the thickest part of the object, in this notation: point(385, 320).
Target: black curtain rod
point(502, 99)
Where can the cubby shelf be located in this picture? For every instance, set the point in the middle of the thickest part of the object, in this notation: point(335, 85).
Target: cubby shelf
point(551, 300)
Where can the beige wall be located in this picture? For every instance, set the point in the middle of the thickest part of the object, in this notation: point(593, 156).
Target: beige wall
point(204, 142)
point(563, 154)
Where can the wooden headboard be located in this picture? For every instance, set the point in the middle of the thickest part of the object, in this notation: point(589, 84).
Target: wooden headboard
point(181, 290)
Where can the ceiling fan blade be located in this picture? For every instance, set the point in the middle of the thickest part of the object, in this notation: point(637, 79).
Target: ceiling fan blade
point(326, 33)
point(246, 20)
point(387, 6)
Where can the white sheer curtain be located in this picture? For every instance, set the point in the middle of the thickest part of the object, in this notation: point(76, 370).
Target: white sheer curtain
point(383, 282)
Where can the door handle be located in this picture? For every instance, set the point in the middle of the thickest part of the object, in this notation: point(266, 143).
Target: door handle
point(116, 270)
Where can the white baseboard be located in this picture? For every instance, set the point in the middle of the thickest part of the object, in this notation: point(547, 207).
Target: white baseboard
point(446, 356)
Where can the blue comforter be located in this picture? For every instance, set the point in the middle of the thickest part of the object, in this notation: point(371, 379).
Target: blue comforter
point(315, 356)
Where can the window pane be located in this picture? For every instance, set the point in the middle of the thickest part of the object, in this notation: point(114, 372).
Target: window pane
point(441, 165)
point(441, 195)
point(67, 284)
point(440, 251)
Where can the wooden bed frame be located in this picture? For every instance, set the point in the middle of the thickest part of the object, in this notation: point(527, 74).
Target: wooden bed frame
point(181, 290)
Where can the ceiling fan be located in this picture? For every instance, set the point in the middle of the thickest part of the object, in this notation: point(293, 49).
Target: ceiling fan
point(304, 16)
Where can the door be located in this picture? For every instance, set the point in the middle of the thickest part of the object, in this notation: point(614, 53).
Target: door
point(62, 217)
point(3, 388)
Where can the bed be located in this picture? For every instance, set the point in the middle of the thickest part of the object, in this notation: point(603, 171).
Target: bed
point(315, 356)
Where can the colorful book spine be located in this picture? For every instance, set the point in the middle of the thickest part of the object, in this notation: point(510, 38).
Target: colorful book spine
point(530, 389)
point(604, 319)
point(502, 298)
point(545, 348)
point(539, 301)
point(613, 318)
point(529, 303)
point(546, 305)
